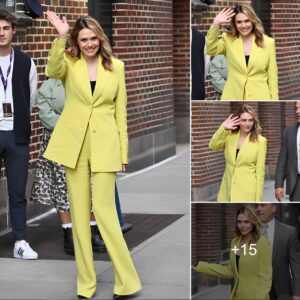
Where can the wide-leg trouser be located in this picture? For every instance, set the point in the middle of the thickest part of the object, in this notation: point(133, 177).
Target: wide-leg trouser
point(104, 208)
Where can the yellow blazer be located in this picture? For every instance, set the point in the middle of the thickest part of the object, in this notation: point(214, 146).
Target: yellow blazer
point(104, 113)
point(258, 80)
point(253, 280)
point(243, 179)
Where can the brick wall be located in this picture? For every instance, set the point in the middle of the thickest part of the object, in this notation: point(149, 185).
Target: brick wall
point(212, 230)
point(181, 52)
point(143, 38)
point(285, 26)
point(208, 166)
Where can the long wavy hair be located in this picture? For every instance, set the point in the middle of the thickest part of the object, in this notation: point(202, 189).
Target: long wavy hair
point(258, 28)
point(256, 129)
point(254, 220)
point(104, 50)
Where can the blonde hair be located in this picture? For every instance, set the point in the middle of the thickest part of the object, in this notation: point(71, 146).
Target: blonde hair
point(258, 28)
point(256, 129)
point(104, 50)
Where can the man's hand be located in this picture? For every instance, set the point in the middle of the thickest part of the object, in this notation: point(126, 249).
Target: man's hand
point(279, 194)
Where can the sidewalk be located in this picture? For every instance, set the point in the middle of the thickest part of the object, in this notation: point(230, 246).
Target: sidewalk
point(269, 193)
point(162, 261)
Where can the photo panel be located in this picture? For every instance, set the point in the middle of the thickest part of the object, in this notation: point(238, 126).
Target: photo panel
point(220, 69)
point(266, 266)
point(220, 173)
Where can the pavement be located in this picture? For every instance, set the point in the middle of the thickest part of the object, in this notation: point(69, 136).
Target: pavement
point(269, 193)
point(220, 292)
point(162, 261)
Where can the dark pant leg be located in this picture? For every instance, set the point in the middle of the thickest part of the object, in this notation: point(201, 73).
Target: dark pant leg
point(16, 159)
point(118, 206)
point(295, 196)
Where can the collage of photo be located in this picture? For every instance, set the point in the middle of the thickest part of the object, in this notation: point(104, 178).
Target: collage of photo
point(150, 149)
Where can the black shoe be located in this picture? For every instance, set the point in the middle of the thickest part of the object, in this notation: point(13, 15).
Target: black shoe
point(123, 297)
point(68, 241)
point(81, 297)
point(126, 227)
point(97, 242)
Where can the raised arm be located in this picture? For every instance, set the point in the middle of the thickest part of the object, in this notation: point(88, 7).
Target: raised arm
point(217, 142)
point(214, 45)
point(56, 67)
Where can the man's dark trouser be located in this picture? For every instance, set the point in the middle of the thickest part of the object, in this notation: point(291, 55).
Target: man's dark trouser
point(16, 160)
point(295, 196)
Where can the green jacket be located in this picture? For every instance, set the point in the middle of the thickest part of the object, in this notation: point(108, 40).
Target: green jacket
point(253, 280)
point(50, 102)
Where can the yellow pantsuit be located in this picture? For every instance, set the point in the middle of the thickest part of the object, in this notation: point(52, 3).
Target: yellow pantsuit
point(78, 181)
point(244, 175)
point(253, 278)
point(256, 81)
point(90, 140)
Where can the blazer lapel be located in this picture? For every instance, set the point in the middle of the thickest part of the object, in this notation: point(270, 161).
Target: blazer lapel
point(242, 149)
point(237, 245)
point(83, 82)
point(275, 241)
point(240, 54)
point(254, 53)
point(293, 141)
point(102, 79)
point(233, 146)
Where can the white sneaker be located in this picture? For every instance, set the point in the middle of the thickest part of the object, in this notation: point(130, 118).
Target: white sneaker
point(24, 251)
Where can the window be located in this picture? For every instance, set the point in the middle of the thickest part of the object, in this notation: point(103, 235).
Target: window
point(9, 5)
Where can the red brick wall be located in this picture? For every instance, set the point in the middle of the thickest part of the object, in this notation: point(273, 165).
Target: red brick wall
point(181, 52)
point(208, 166)
point(143, 38)
point(284, 28)
point(212, 230)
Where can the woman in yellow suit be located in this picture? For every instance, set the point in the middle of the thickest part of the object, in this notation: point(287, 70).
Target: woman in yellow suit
point(250, 54)
point(250, 260)
point(245, 155)
point(90, 140)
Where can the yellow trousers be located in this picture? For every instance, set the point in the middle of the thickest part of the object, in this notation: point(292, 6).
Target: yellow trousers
point(103, 202)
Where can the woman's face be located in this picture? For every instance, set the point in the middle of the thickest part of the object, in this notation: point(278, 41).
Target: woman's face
point(243, 24)
point(88, 42)
point(244, 225)
point(246, 122)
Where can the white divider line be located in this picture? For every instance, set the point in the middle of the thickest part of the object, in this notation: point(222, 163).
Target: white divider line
point(125, 176)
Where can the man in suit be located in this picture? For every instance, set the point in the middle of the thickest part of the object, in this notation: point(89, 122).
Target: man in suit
point(198, 65)
point(285, 254)
point(17, 96)
point(288, 164)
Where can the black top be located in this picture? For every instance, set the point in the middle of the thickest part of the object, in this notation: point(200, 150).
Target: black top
point(247, 59)
point(93, 84)
point(237, 257)
point(237, 152)
point(21, 96)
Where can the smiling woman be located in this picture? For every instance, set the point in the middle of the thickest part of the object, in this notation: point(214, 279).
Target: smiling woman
point(245, 154)
point(250, 262)
point(90, 141)
point(250, 55)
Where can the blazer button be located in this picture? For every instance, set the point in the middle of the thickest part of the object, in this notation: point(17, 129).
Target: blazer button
point(94, 131)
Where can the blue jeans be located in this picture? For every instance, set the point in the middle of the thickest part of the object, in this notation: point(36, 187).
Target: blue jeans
point(16, 160)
